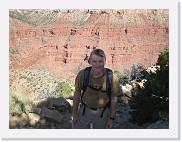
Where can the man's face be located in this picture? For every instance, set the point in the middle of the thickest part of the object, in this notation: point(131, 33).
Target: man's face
point(97, 63)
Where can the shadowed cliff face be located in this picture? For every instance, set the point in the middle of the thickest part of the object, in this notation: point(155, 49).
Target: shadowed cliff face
point(61, 40)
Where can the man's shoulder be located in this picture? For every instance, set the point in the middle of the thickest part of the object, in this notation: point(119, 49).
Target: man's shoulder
point(109, 69)
point(112, 74)
point(81, 72)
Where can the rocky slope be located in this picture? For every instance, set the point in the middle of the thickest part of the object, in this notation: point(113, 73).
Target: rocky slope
point(61, 40)
point(56, 113)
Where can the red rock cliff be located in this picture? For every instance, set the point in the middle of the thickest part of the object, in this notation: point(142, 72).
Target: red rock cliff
point(60, 40)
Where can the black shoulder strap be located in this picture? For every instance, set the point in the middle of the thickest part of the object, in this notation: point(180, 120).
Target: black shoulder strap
point(86, 78)
point(108, 88)
point(85, 84)
point(109, 81)
point(108, 85)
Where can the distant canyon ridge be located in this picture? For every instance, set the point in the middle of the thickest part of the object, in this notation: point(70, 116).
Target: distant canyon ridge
point(60, 41)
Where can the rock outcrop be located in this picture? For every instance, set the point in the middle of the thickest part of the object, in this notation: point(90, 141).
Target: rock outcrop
point(61, 40)
point(55, 113)
point(51, 113)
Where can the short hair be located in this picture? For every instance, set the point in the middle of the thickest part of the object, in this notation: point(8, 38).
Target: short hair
point(98, 52)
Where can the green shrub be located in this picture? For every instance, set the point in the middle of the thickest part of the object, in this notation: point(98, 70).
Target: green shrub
point(137, 72)
point(117, 73)
point(155, 96)
point(64, 89)
point(18, 103)
point(123, 79)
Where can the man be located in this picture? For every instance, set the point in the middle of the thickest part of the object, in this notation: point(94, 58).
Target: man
point(94, 108)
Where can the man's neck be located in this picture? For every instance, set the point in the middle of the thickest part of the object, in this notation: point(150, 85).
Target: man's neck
point(97, 75)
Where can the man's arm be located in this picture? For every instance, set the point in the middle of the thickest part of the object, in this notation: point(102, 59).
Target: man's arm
point(113, 106)
point(115, 91)
point(113, 112)
point(76, 100)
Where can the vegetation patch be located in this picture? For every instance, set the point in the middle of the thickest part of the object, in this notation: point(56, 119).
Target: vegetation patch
point(19, 103)
point(153, 99)
point(64, 89)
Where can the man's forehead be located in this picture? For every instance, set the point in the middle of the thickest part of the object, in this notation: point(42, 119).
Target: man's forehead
point(96, 57)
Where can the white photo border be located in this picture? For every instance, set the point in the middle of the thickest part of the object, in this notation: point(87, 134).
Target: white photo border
point(171, 133)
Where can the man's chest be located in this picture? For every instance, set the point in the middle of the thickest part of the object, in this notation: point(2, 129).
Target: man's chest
point(98, 83)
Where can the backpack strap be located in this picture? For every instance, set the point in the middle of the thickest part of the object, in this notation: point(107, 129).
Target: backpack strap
point(108, 85)
point(86, 78)
point(85, 84)
point(109, 82)
point(108, 88)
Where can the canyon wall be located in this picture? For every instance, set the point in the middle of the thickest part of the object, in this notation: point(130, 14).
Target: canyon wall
point(60, 41)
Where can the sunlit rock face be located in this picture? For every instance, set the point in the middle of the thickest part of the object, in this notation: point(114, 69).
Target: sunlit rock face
point(60, 41)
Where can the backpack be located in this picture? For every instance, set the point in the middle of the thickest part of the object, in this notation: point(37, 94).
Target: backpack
point(108, 85)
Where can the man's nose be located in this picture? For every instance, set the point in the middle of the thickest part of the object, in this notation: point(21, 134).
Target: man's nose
point(97, 64)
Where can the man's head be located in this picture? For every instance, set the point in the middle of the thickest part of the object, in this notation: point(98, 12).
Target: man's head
point(97, 60)
point(98, 52)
